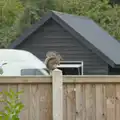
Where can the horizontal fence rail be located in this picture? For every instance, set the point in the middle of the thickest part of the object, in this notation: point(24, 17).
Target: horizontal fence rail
point(59, 97)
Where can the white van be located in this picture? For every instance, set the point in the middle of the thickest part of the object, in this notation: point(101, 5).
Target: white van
point(21, 62)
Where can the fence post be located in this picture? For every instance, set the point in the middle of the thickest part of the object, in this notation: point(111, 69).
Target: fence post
point(57, 92)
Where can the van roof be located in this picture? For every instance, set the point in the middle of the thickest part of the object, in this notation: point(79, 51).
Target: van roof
point(12, 55)
point(16, 55)
point(24, 65)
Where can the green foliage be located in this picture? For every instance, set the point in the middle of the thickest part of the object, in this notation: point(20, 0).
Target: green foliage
point(1, 71)
point(13, 105)
point(10, 11)
point(17, 15)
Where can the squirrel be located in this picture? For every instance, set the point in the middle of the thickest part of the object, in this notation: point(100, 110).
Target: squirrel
point(52, 60)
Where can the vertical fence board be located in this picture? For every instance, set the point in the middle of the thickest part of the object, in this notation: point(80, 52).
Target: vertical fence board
point(14, 87)
point(34, 102)
point(79, 102)
point(45, 102)
point(104, 103)
point(84, 103)
point(71, 107)
point(25, 98)
point(90, 102)
point(110, 93)
point(65, 102)
point(3, 87)
point(118, 102)
point(93, 102)
point(99, 102)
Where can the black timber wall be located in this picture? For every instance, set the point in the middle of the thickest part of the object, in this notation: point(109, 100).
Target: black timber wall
point(52, 37)
point(113, 71)
point(115, 1)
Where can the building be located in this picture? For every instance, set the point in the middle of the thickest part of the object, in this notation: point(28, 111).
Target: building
point(115, 1)
point(76, 38)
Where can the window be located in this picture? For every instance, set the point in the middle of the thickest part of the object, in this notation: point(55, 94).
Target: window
point(71, 67)
point(34, 72)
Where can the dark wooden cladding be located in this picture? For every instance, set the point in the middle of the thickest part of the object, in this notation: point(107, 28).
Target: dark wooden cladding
point(52, 37)
point(115, 1)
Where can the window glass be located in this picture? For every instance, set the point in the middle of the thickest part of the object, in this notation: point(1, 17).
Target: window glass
point(33, 72)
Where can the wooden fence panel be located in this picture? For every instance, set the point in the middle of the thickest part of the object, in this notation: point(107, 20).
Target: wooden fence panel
point(3, 88)
point(25, 98)
point(117, 102)
point(37, 96)
point(84, 98)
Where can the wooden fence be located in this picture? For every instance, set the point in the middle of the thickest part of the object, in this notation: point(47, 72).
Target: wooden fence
point(60, 97)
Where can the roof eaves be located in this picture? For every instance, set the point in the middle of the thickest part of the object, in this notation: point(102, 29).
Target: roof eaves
point(117, 66)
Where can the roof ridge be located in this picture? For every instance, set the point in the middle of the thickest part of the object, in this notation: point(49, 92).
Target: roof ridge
point(72, 15)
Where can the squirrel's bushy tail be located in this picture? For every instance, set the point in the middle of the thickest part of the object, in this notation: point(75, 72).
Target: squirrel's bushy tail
point(52, 60)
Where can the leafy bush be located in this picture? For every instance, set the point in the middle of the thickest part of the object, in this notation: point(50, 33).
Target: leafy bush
point(17, 15)
point(13, 105)
point(10, 14)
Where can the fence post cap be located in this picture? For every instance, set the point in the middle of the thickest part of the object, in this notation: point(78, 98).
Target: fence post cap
point(57, 71)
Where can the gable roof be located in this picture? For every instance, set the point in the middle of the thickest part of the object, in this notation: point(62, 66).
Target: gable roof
point(86, 31)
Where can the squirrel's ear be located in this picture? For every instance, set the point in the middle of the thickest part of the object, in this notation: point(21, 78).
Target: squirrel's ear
point(50, 54)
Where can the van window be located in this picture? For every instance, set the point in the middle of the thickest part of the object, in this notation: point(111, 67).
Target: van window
point(33, 72)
